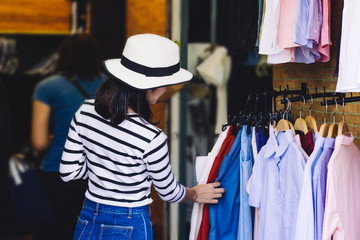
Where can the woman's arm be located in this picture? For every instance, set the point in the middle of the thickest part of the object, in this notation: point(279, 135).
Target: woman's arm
point(204, 193)
point(40, 125)
point(73, 160)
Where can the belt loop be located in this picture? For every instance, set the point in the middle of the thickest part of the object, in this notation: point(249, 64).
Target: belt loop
point(149, 210)
point(129, 213)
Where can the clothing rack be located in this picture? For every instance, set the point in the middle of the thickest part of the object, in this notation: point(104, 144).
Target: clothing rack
point(309, 96)
point(340, 101)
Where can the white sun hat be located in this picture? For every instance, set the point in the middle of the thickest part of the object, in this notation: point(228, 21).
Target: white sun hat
point(148, 61)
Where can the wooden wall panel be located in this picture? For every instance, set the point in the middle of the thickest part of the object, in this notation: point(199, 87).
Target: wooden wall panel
point(35, 16)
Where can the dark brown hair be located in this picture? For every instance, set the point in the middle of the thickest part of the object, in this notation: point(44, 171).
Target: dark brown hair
point(114, 98)
point(79, 54)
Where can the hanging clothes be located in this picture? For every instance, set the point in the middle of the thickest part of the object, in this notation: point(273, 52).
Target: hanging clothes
point(305, 214)
point(224, 216)
point(342, 206)
point(298, 143)
point(349, 60)
point(268, 41)
point(196, 215)
point(319, 176)
point(307, 142)
point(275, 186)
point(285, 33)
point(246, 165)
point(325, 35)
point(225, 148)
point(215, 70)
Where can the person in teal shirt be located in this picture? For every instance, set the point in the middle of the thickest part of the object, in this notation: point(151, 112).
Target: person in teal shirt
point(55, 101)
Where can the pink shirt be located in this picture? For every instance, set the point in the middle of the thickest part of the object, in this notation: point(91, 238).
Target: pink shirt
point(342, 204)
point(298, 142)
point(325, 38)
point(286, 24)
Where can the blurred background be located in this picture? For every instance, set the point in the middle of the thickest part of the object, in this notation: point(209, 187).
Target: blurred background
point(191, 115)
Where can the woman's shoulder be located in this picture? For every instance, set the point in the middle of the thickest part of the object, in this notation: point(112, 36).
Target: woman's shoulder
point(140, 122)
point(52, 80)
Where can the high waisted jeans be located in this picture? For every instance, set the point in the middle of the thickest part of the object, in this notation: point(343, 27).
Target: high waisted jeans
point(105, 222)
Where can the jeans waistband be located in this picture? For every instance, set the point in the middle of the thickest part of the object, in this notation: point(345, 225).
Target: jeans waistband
point(98, 207)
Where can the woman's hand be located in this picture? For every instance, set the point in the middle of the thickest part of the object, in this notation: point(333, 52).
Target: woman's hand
point(204, 193)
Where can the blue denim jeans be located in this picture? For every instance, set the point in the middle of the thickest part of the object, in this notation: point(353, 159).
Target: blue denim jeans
point(105, 222)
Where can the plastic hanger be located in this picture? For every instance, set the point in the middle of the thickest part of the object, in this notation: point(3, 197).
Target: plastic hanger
point(310, 120)
point(333, 128)
point(300, 123)
point(324, 128)
point(343, 128)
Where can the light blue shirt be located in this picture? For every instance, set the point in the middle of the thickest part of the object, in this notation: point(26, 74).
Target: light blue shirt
point(306, 31)
point(319, 177)
point(276, 185)
point(224, 216)
point(305, 216)
point(246, 164)
point(315, 20)
point(301, 22)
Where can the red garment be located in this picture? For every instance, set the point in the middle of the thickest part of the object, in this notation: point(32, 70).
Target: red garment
point(225, 148)
point(307, 142)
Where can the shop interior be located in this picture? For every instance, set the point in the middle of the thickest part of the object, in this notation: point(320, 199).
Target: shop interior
point(192, 115)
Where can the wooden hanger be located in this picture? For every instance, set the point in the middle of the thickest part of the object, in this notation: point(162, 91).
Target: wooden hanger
point(343, 128)
point(300, 123)
point(311, 124)
point(310, 120)
point(292, 128)
point(333, 130)
point(282, 125)
point(323, 131)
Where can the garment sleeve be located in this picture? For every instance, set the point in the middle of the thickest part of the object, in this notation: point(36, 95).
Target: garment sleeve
point(43, 93)
point(73, 161)
point(156, 157)
point(256, 182)
point(332, 224)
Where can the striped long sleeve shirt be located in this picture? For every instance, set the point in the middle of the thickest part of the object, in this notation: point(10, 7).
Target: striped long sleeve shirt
point(121, 162)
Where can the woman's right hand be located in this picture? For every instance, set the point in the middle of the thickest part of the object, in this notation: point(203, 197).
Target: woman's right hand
point(204, 193)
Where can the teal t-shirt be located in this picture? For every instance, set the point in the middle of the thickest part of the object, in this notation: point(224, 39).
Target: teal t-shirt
point(64, 100)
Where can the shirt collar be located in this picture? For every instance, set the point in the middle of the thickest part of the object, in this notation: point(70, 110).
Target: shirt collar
point(344, 140)
point(329, 143)
point(278, 144)
point(319, 143)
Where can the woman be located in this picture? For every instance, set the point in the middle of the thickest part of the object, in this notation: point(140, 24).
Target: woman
point(113, 142)
point(55, 101)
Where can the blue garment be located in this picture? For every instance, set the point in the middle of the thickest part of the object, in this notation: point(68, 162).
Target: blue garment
point(246, 163)
point(224, 216)
point(319, 178)
point(260, 137)
point(64, 100)
point(275, 186)
point(301, 23)
point(305, 216)
point(101, 221)
point(305, 31)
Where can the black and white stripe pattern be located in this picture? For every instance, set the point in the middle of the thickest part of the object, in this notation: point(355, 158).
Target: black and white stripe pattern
point(121, 162)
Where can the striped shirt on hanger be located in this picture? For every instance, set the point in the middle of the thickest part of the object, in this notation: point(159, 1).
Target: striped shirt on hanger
point(121, 162)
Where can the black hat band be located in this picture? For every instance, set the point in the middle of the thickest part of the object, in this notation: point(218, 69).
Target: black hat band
point(149, 71)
